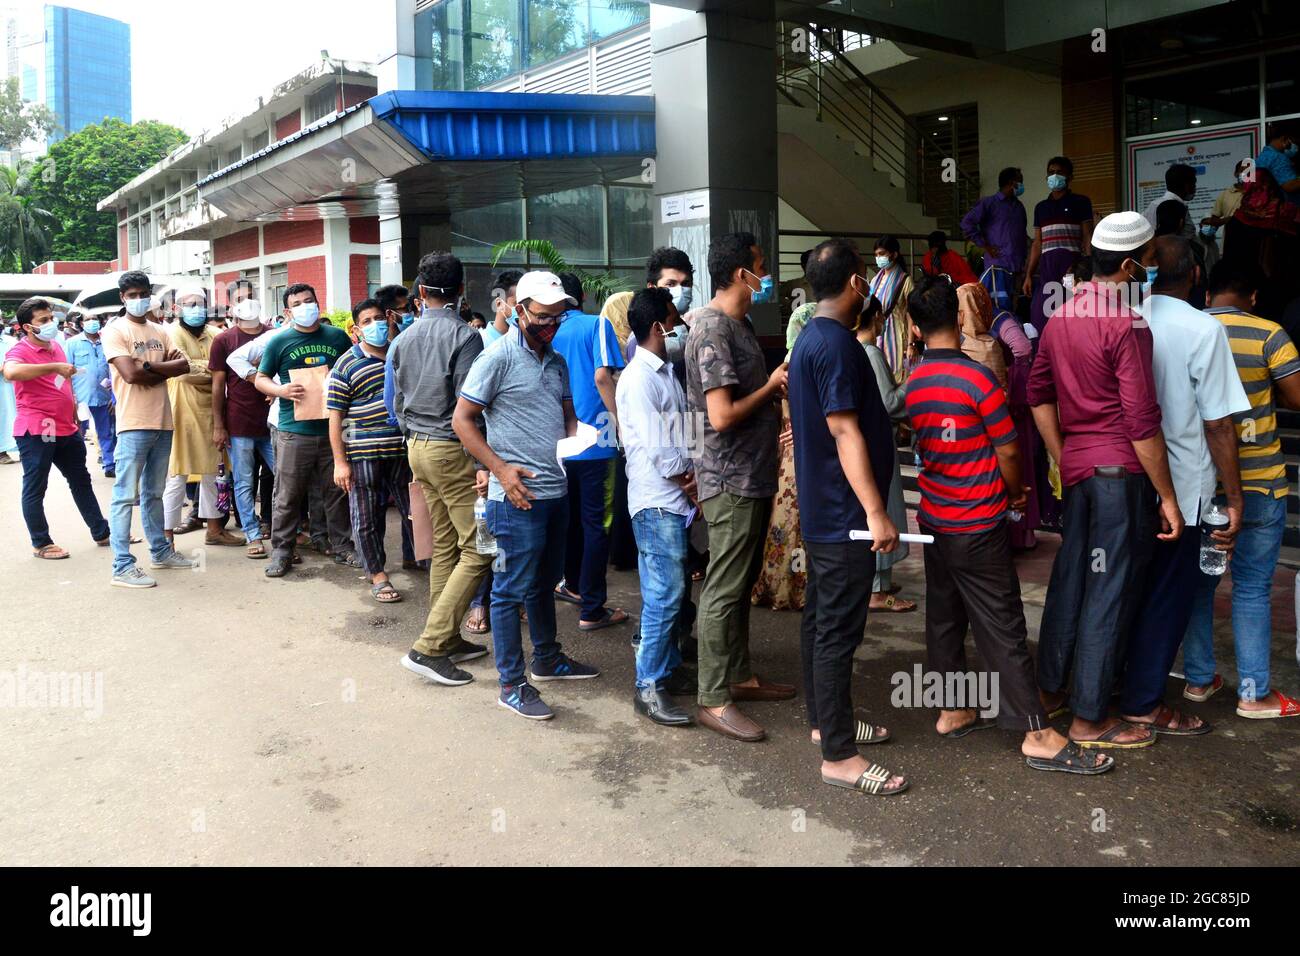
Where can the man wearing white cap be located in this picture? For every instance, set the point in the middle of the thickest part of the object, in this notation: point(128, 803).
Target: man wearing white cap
point(521, 388)
point(1095, 404)
point(1199, 391)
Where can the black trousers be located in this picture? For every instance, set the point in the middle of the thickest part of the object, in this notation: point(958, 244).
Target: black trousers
point(836, 599)
point(1171, 578)
point(1107, 535)
point(970, 583)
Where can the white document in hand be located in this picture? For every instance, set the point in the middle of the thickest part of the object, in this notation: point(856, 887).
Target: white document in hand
point(576, 444)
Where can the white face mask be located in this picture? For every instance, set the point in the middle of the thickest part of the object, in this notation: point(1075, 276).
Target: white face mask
point(138, 308)
point(682, 298)
point(248, 312)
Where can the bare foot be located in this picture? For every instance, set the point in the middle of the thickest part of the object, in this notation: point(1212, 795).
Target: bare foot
point(1266, 702)
point(1043, 743)
point(1091, 730)
point(950, 720)
point(1167, 718)
point(850, 770)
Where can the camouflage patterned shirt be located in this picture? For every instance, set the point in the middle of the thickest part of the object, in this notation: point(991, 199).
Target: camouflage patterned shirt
point(720, 353)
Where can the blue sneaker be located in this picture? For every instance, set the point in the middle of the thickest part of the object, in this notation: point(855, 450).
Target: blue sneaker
point(524, 700)
point(562, 668)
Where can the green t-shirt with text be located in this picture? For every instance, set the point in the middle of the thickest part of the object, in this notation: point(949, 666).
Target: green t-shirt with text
point(292, 349)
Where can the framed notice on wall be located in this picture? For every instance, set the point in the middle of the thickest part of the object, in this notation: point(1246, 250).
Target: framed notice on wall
point(1213, 154)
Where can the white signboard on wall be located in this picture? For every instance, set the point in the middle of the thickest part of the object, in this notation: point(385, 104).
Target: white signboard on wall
point(1213, 154)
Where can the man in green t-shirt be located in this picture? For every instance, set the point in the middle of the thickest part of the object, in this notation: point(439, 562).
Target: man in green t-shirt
point(302, 445)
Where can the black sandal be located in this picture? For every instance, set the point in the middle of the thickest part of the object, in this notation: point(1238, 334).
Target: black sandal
point(1074, 759)
point(871, 782)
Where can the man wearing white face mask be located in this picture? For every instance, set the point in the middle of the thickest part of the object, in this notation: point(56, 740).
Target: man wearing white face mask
point(193, 452)
point(239, 421)
point(303, 455)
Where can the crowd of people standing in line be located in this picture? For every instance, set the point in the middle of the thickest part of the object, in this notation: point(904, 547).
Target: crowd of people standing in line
point(1144, 386)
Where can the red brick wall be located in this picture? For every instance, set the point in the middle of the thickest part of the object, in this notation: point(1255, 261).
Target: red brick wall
point(357, 277)
point(312, 272)
point(288, 125)
point(364, 229)
point(285, 236)
point(355, 93)
point(241, 245)
point(122, 241)
point(72, 267)
point(220, 280)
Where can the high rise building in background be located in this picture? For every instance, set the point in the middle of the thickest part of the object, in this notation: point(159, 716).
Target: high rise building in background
point(77, 63)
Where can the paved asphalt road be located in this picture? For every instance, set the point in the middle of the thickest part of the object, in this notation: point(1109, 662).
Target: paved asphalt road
point(245, 720)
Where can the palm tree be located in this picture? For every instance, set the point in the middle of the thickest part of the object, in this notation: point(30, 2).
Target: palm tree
point(25, 227)
point(597, 285)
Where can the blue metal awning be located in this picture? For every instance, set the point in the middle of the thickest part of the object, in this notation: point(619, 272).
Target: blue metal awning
point(410, 151)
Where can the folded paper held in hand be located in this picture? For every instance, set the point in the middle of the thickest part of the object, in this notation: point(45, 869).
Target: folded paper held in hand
point(906, 537)
point(311, 407)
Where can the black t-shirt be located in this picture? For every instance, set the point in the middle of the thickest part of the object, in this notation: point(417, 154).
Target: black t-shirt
point(830, 372)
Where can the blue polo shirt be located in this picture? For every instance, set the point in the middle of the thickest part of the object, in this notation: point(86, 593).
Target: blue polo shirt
point(88, 355)
point(588, 342)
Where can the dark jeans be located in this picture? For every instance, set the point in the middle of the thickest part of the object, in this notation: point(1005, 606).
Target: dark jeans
point(302, 463)
point(527, 567)
point(970, 583)
point(105, 433)
point(1168, 597)
point(68, 454)
point(836, 599)
point(586, 557)
point(1107, 534)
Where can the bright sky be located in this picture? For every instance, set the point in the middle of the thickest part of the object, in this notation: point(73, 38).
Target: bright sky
point(196, 62)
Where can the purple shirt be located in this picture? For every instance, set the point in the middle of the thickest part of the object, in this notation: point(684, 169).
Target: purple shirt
point(1094, 362)
point(999, 221)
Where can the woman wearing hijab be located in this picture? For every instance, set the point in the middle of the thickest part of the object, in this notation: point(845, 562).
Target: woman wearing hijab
point(891, 286)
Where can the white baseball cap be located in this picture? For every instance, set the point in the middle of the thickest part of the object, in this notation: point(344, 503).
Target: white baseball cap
point(544, 288)
point(1122, 232)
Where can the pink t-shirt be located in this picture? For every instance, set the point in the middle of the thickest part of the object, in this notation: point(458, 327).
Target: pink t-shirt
point(44, 403)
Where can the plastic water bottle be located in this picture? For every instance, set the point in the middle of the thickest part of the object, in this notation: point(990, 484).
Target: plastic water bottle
point(484, 542)
point(1213, 561)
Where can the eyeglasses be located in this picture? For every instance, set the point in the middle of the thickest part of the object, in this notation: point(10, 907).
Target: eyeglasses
point(542, 320)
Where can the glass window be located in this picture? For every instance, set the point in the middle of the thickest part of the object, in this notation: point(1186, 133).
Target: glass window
point(1223, 93)
point(321, 103)
point(372, 275)
point(474, 231)
point(573, 221)
point(611, 16)
point(493, 50)
point(1282, 83)
point(277, 280)
point(630, 224)
point(448, 44)
point(555, 27)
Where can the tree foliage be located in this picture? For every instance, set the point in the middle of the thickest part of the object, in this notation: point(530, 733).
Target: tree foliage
point(21, 121)
point(596, 285)
point(25, 226)
point(85, 167)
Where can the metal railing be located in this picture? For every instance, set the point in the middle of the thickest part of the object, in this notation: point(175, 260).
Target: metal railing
point(813, 71)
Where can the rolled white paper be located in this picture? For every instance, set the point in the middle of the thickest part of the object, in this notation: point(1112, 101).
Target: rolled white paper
point(906, 537)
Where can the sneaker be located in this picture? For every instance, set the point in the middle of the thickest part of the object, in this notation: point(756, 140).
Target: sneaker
point(524, 700)
point(440, 670)
point(467, 651)
point(173, 562)
point(562, 668)
point(133, 577)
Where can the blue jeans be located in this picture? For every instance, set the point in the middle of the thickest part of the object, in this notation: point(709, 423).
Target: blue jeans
point(68, 454)
point(105, 433)
point(142, 458)
point(661, 563)
point(530, 560)
point(586, 558)
point(243, 459)
point(1255, 556)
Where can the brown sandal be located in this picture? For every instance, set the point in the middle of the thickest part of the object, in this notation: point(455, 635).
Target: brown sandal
point(51, 552)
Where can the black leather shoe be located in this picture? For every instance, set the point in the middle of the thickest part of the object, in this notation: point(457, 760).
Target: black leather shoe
point(681, 683)
point(659, 707)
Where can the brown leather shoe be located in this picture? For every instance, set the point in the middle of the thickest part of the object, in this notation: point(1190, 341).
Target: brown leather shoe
point(766, 690)
point(732, 723)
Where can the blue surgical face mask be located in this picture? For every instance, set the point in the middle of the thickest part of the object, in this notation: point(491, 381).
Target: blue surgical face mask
point(1152, 272)
point(1055, 181)
point(883, 262)
point(766, 286)
point(376, 334)
point(48, 331)
point(406, 321)
point(138, 307)
point(1020, 189)
point(194, 315)
point(306, 314)
point(682, 298)
point(1208, 231)
point(92, 326)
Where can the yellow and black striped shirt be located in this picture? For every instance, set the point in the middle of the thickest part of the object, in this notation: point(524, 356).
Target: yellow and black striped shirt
point(1264, 354)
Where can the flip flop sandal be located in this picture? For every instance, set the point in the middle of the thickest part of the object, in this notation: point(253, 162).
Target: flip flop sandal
point(385, 593)
point(569, 597)
point(1287, 707)
point(50, 552)
point(609, 620)
point(1177, 730)
point(1215, 686)
point(964, 729)
point(1073, 759)
point(871, 782)
point(477, 628)
point(894, 605)
point(1107, 740)
point(257, 552)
